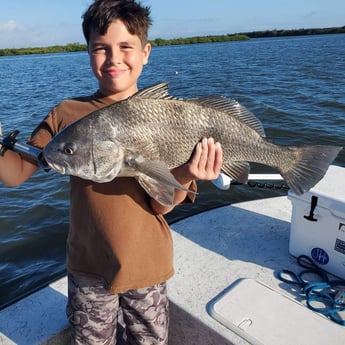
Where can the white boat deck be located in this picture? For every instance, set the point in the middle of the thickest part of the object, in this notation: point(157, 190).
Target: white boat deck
point(212, 250)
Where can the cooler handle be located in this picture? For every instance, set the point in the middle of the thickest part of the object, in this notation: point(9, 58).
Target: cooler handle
point(313, 204)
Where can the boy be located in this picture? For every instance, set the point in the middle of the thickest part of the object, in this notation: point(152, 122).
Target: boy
point(119, 247)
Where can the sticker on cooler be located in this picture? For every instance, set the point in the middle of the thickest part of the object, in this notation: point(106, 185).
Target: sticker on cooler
point(320, 256)
point(339, 246)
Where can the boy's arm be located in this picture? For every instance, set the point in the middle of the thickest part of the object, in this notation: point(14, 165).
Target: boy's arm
point(14, 170)
point(205, 164)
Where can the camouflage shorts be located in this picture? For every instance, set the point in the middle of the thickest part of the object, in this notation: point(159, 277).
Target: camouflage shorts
point(96, 316)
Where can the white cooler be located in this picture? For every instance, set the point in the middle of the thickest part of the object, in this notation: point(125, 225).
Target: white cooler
point(318, 222)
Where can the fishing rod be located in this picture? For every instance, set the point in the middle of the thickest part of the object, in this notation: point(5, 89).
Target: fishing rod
point(33, 154)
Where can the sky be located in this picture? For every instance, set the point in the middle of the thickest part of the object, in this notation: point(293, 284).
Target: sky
point(41, 23)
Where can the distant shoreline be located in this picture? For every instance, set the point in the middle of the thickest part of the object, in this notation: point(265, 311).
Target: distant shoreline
point(75, 47)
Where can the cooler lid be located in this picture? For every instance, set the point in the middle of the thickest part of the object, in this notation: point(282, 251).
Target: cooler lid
point(330, 191)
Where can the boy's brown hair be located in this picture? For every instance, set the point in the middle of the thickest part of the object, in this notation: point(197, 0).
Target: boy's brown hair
point(102, 13)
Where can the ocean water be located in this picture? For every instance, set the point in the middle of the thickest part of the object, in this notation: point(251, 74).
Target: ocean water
point(295, 85)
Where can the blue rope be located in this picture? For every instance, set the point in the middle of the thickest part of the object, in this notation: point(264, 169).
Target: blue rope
point(323, 295)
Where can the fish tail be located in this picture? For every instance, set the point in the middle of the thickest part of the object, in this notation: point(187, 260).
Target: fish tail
point(310, 166)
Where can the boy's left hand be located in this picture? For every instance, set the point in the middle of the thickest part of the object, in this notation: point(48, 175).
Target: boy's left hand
point(207, 160)
point(204, 164)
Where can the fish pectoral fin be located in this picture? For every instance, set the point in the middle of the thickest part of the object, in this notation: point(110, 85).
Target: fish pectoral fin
point(238, 171)
point(162, 193)
point(157, 180)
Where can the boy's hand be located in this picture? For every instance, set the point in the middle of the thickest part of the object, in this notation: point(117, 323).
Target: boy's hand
point(205, 163)
point(207, 160)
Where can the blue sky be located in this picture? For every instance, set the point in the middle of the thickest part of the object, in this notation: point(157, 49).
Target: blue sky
point(37, 23)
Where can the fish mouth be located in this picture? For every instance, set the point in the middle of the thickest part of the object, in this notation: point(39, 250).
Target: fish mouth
point(60, 169)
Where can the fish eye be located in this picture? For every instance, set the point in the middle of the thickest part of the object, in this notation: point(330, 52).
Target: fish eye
point(68, 149)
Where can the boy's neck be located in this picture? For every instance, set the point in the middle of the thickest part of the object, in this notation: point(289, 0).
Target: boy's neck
point(119, 96)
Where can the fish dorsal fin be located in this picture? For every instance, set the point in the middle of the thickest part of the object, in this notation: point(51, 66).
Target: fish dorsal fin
point(233, 108)
point(157, 91)
point(230, 106)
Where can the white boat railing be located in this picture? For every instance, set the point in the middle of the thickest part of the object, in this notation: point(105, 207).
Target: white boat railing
point(223, 181)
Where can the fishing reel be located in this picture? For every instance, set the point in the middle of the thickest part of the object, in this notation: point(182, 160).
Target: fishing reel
point(31, 153)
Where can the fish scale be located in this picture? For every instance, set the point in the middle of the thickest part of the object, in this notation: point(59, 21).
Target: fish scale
point(187, 131)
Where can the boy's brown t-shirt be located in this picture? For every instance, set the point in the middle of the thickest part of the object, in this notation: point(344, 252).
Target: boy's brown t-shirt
point(113, 234)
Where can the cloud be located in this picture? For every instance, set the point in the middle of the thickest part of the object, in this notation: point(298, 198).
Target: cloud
point(22, 35)
point(12, 34)
point(8, 26)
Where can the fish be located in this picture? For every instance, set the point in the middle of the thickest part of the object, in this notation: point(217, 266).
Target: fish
point(151, 132)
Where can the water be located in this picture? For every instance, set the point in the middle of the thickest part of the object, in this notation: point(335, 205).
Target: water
point(294, 85)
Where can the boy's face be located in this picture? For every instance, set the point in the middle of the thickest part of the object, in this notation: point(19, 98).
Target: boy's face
point(117, 59)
